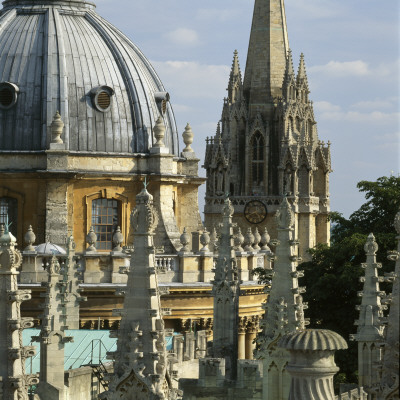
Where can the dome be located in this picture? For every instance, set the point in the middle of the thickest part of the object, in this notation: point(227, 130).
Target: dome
point(313, 339)
point(49, 248)
point(60, 55)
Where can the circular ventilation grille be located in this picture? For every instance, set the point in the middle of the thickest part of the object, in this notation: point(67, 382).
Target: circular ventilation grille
point(103, 100)
point(8, 95)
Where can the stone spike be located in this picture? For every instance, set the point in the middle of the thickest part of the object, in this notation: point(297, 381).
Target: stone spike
point(301, 73)
point(389, 383)
point(14, 382)
point(226, 291)
point(289, 70)
point(370, 330)
point(285, 308)
point(52, 338)
point(266, 58)
point(235, 81)
point(141, 357)
point(70, 287)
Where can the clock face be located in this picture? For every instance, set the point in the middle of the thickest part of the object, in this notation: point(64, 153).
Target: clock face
point(255, 211)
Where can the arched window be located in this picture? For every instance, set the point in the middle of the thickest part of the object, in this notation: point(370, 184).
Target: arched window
point(257, 161)
point(105, 219)
point(9, 213)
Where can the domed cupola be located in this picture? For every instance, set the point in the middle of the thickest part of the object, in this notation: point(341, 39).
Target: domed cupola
point(61, 55)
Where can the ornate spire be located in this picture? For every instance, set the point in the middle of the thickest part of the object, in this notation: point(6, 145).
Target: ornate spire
point(140, 368)
point(69, 284)
point(266, 58)
point(14, 381)
point(302, 80)
point(52, 338)
point(235, 81)
point(284, 310)
point(226, 290)
point(370, 329)
point(289, 81)
point(389, 384)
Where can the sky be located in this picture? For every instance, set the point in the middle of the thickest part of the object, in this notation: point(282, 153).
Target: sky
point(352, 55)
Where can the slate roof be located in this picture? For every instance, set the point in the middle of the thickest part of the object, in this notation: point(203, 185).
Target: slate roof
point(56, 53)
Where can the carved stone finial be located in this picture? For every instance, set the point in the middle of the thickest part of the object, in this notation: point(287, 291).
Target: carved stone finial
point(265, 238)
point(257, 239)
point(91, 239)
point(205, 240)
point(144, 217)
point(228, 209)
point(249, 240)
point(239, 239)
point(188, 138)
point(29, 238)
point(371, 247)
point(159, 132)
point(57, 127)
point(285, 215)
point(185, 240)
point(118, 239)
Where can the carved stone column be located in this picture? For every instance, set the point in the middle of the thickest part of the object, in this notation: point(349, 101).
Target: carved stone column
point(251, 333)
point(242, 338)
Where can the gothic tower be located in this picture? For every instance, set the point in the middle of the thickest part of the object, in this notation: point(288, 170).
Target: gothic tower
point(266, 145)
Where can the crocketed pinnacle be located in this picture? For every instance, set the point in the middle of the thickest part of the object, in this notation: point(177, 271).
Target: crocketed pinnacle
point(370, 328)
point(226, 290)
point(302, 79)
point(141, 357)
point(389, 384)
point(284, 310)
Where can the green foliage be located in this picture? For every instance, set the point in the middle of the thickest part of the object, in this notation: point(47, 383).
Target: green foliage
point(332, 276)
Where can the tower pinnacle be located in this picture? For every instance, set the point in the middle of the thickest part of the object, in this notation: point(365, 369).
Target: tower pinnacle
point(266, 58)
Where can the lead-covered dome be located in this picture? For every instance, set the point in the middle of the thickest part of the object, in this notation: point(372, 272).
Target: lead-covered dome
point(61, 55)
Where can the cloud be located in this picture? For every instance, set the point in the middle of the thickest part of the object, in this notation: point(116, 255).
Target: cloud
point(329, 111)
point(345, 68)
point(190, 79)
point(183, 37)
point(377, 104)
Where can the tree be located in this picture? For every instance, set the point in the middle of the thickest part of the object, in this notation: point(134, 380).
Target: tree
point(332, 276)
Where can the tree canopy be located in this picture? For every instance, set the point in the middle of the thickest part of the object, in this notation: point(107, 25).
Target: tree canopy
point(332, 276)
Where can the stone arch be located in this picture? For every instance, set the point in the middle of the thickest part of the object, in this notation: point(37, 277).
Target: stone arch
point(257, 162)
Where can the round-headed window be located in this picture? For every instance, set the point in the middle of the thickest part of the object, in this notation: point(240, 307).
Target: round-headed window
point(8, 95)
point(101, 98)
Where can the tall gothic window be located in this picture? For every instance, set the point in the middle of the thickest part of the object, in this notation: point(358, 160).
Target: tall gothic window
point(257, 161)
point(9, 213)
point(105, 219)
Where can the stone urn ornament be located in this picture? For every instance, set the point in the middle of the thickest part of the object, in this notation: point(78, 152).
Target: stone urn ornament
point(188, 138)
point(257, 240)
point(249, 240)
point(239, 240)
point(91, 239)
point(29, 239)
point(57, 127)
point(185, 240)
point(159, 132)
point(205, 240)
point(265, 238)
point(118, 239)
